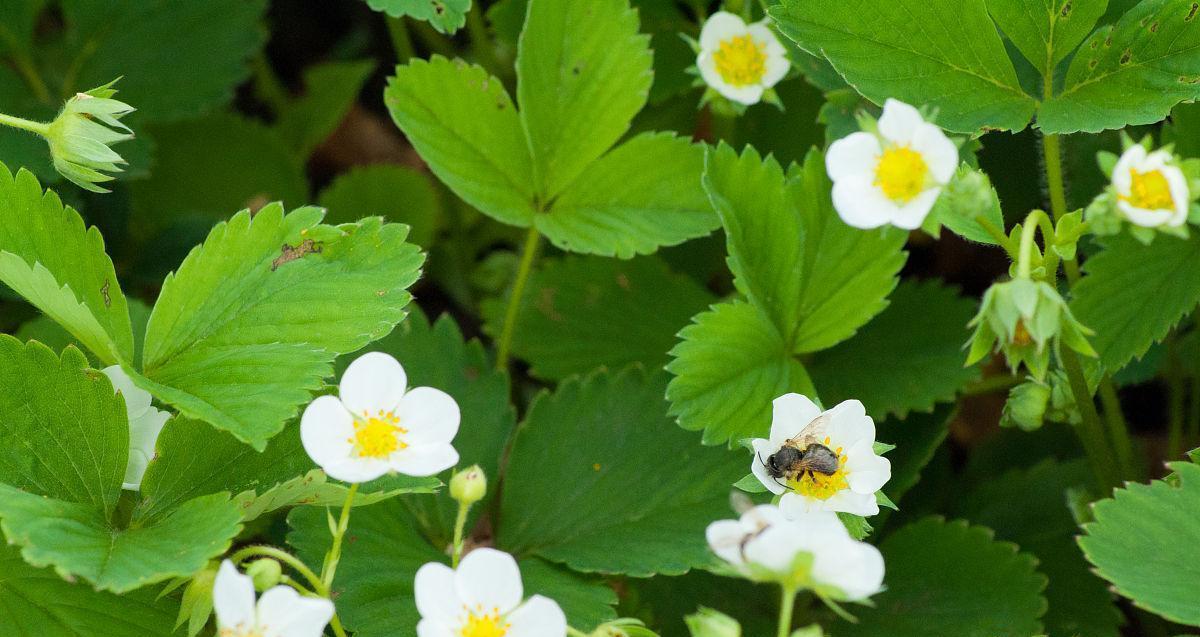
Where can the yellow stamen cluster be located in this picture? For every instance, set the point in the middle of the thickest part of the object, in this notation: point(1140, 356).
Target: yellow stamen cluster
point(1149, 191)
point(480, 624)
point(252, 631)
point(901, 173)
point(378, 435)
point(741, 61)
point(819, 486)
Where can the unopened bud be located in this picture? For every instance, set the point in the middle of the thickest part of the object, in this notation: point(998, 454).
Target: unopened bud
point(266, 573)
point(710, 623)
point(469, 485)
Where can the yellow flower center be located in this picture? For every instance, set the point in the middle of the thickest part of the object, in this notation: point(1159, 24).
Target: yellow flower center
point(239, 631)
point(1149, 191)
point(484, 625)
point(812, 484)
point(901, 173)
point(378, 436)
point(741, 61)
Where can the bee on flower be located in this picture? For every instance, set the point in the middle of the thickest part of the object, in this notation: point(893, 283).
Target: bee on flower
point(1151, 189)
point(740, 61)
point(893, 173)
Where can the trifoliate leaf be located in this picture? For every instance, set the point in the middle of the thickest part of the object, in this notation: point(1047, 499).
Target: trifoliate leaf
point(643, 194)
point(643, 515)
point(1134, 293)
point(580, 313)
point(923, 357)
point(77, 539)
point(729, 365)
point(583, 72)
point(1146, 541)
point(1029, 507)
point(1130, 73)
point(466, 128)
point(446, 16)
point(393, 192)
point(40, 602)
point(953, 580)
point(944, 54)
point(233, 339)
point(49, 256)
point(1046, 31)
point(330, 90)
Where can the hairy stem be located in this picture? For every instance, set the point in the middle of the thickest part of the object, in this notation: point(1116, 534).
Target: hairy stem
point(1090, 429)
point(787, 603)
point(335, 550)
point(25, 124)
point(528, 256)
point(460, 523)
point(481, 42)
point(285, 558)
point(1025, 254)
point(401, 40)
point(1052, 150)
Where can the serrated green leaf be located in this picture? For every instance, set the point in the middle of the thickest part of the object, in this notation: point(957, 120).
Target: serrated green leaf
point(59, 265)
point(729, 365)
point(1134, 293)
point(945, 54)
point(393, 192)
point(643, 515)
point(232, 339)
point(464, 125)
point(586, 600)
point(1046, 31)
point(76, 538)
point(580, 313)
point(330, 91)
point(39, 602)
point(1160, 515)
point(1130, 73)
point(643, 194)
point(930, 593)
point(446, 16)
point(583, 72)
point(923, 357)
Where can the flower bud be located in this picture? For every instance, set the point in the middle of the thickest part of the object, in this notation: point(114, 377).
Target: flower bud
point(265, 572)
point(80, 137)
point(710, 623)
point(469, 485)
point(1026, 406)
point(1025, 319)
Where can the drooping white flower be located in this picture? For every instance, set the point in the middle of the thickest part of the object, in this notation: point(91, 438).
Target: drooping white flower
point(849, 433)
point(145, 423)
point(893, 175)
point(1152, 190)
point(739, 60)
point(376, 424)
point(764, 546)
point(282, 612)
point(483, 598)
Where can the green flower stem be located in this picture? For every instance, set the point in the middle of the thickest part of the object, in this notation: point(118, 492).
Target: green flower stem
point(787, 603)
point(997, 234)
point(481, 42)
point(434, 41)
point(575, 632)
point(25, 124)
point(992, 384)
point(1118, 429)
point(460, 523)
point(1025, 254)
point(1090, 429)
point(284, 557)
point(528, 256)
point(401, 40)
point(1052, 150)
point(298, 586)
point(335, 550)
point(1176, 389)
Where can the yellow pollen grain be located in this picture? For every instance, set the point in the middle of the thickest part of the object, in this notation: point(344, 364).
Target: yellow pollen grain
point(901, 173)
point(484, 625)
point(819, 486)
point(741, 61)
point(378, 435)
point(1149, 191)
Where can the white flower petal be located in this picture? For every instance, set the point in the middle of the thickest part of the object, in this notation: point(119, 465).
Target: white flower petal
point(430, 415)
point(135, 470)
point(762, 451)
point(489, 579)
point(282, 612)
point(1131, 159)
point(854, 154)
point(433, 628)
point(327, 431)
point(911, 215)
point(854, 567)
point(233, 597)
point(775, 548)
point(374, 381)
point(425, 460)
point(1180, 194)
point(137, 400)
point(865, 471)
point(848, 501)
point(721, 25)
point(357, 470)
point(144, 430)
point(939, 153)
point(849, 423)
point(1143, 216)
point(436, 594)
point(777, 61)
point(793, 504)
point(861, 204)
point(899, 122)
point(749, 94)
point(725, 539)
point(790, 414)
point(708, 71)
point(538, 617)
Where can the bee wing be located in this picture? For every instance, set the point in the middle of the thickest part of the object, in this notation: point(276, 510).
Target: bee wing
point(813, 432)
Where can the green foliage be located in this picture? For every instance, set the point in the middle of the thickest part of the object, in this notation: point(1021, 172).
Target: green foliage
point(579, 313)
point(1160, 515)
point(393, 192)
point(966, 204)
point(1046, 31)
point(1133, 294)
point(330, 90)
point(650, 489)
point(945, 54)
point(446, 16)
point(948, 578)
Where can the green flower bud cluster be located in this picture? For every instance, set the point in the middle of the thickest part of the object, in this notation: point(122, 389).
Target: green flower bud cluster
point(1025, 319)
point(81, 135)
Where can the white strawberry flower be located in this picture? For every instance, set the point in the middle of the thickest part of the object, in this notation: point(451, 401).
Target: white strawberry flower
point(145, 423)
point(894, 174)
point(764, 546)
point(376, 425)
point(738, 60)
point(849, 433)
point(484, 597)
point(1152, 190)
point(282, 612)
